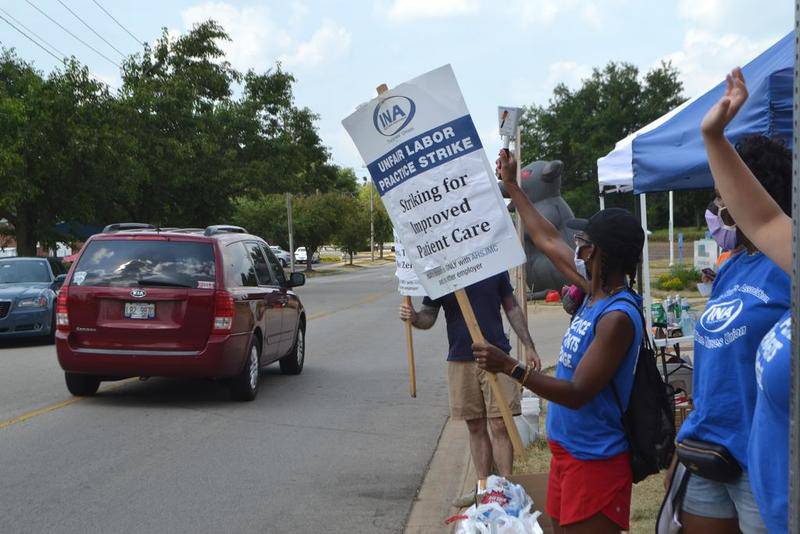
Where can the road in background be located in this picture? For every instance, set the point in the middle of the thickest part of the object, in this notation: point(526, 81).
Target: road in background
point(340, 448)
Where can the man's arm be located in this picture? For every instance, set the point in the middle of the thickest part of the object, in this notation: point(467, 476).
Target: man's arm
point(422, 319)
point(516, 318)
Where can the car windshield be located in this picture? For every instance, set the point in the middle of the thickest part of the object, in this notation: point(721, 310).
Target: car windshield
point(24, 271)
point(137, 263)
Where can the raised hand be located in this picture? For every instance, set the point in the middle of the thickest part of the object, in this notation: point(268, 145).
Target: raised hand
point(506, 169)
point(723, 112)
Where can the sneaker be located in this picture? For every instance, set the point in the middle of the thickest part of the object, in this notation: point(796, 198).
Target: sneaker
point(466, 500)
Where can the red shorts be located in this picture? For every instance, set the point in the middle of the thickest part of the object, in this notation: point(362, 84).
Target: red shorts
point(580, 489)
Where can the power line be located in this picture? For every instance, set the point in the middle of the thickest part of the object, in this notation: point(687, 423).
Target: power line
point(12, 17)
point(87, 45)
point(91, 29)
point(31, 39)
point(138, 41)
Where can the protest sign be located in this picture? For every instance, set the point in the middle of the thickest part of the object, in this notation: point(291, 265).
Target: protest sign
point(508, 118)
point(408, 283)
point(426, 160)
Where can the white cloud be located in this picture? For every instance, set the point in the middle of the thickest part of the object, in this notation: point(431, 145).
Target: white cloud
point(702, 12)
point(254, 35)
point(543, 13)
point(258, 38)
point(330, 41)
point(706, 57)
point(536, 90)
point(411, 10)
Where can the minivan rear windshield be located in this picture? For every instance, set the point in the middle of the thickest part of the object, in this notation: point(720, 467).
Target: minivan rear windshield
point(132, 263)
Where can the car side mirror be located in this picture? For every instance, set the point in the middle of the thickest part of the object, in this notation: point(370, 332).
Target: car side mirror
point(58, 282)
point(297, 280)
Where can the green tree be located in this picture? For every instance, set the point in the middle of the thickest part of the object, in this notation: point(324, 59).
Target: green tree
point(352, 232)
point(58, 155)
point(382, 225)
point(315, 219)
point(264, 216)
point(579, 126)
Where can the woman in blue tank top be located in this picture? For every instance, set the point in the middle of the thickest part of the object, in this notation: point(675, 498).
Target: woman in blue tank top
point(759, 201)
point(590, 477)
point(750, 294)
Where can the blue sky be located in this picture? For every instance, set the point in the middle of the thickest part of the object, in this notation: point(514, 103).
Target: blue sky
point(509, 53)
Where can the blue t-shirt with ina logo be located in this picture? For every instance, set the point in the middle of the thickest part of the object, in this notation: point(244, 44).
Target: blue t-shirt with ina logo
point(748, 297)
point(768, 453)
point(594, 431)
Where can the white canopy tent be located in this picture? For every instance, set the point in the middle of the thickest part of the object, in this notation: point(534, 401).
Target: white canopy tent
point(615, 175)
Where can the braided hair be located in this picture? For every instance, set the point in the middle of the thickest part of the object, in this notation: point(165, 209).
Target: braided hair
point(626, 263)
point(771, 163)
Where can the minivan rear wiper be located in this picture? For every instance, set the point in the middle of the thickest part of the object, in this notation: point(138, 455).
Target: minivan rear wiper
point(164, 282)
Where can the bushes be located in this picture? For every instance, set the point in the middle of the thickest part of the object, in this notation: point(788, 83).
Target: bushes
point(679, 277)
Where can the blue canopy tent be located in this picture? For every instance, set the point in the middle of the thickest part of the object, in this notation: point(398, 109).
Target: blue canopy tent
point(672, 157)
point(668, 154)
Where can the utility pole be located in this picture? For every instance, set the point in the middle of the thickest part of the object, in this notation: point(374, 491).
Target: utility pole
point(368, 183)
point(291, 230)
point(371, 224)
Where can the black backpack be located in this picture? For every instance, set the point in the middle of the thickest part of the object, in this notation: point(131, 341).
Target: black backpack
point(649, 421)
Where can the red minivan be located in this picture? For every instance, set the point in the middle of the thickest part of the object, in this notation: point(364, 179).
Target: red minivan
point(144, 301)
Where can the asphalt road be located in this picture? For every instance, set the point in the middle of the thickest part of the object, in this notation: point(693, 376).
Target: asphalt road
point(340, 448)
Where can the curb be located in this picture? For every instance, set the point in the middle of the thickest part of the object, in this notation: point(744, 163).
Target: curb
point(446, 477)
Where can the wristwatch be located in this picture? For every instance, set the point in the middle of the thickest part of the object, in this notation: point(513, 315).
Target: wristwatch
point(518, 373)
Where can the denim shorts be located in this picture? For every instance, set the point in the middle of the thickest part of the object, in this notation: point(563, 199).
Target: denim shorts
point(706, 498)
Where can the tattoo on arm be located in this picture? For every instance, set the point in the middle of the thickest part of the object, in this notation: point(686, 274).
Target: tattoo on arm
point(516, 317)
point(426, 317)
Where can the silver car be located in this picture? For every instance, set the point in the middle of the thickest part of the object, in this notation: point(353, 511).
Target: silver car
point(284, 257)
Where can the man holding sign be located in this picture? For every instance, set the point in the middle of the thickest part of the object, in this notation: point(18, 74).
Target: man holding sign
point(428, 165)
point(471, 398)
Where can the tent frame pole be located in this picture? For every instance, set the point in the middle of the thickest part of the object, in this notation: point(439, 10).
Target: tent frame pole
point(671, 231)
point(647, 297)
point(794, 405)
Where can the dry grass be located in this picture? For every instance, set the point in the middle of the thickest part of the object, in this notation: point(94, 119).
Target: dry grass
point(647, 495)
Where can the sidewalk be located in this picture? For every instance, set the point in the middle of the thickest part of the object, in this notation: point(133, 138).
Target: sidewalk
point(450, 473)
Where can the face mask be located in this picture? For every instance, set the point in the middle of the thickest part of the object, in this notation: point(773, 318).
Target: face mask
point(723, 234)
point(580, 265)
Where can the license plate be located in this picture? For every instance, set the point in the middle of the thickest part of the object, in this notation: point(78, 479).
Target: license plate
point(140, 310)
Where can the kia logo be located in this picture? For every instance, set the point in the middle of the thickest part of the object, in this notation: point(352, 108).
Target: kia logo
point(138, 293)
point(393, 114)
point(719, 316)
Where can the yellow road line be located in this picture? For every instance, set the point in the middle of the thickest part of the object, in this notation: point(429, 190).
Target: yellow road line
point(53, 407)
point(41, 411)
point(372, 297)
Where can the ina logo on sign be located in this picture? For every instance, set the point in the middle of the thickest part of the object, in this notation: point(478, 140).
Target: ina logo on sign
point(719, 316)
point(393, 114)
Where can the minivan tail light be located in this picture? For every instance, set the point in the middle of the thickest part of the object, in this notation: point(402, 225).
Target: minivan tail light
point(223, 313)
point(62, 309)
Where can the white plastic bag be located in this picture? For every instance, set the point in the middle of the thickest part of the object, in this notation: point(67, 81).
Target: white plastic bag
point(505, 508)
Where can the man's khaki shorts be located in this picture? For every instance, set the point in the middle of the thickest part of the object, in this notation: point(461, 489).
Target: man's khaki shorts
point(471, 396)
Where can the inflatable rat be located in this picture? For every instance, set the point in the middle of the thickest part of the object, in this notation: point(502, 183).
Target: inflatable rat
point(541, 182)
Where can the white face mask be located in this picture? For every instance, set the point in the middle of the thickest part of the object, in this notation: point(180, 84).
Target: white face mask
point(580, 265)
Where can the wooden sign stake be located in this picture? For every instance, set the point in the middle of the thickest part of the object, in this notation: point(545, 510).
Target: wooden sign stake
point(412, 373)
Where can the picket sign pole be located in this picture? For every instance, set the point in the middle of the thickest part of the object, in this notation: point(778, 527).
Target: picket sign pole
point(522, 286)
point(412, 372)
point(477, 337)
